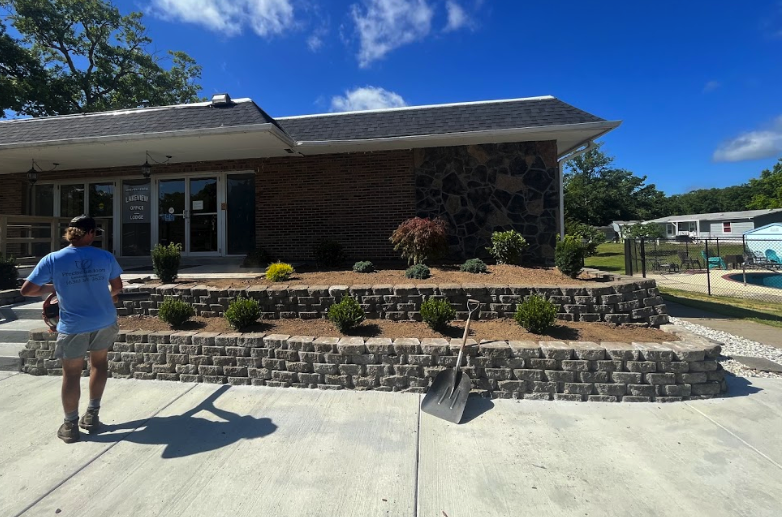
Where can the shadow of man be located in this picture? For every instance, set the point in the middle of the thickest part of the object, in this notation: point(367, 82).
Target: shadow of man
point(187, 434)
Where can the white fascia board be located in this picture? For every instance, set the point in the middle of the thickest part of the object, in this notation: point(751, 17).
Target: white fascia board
point(465, 137)
point(248, 128)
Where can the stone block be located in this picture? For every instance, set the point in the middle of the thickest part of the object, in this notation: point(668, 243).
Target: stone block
point(260, 352)
point(238, 351)
point(627, 377)
point(210, 370)
point(524, 349)
point(675, 390)
point(276, 341)
point(575, 365)
point(224, 360)
point(273, 364)
point(592, 377)
point(177, 358)
point(686, 351)
point(620, 351)
point(616, 319)
point(298, 367)
point(608, 366)
point(506, 385)
point(407, 346)
point(632, 398)
point(420, 360)
point(182, 338)
point(673, 366)
point(641, 366)
point(495, 349)
point(280, 384)
point(394, 381)
point(378, 370)
point(188, 369)
point(557, 350)
point(259, 373)
point(654, 351)
point(285, 377)
point(543, 364)
point(409, 370)
point(214, 379)
point(560, 376)
point(660, 378)
point(312, 357)
point(286, 355)
point(212, 350)
point(691, 378)
point(569, 397)
point(325, 344)
point(186, 377)
point(351, 346)
point(198, 360)
point(578, 388)
point(310, 378)
point(349, 369)
point(251, 340)
point(537, 396)
point(325, 369)
point(615, 390)
point(498, 374)
point(435, 346)
point(587, 350)
point(538, 387)
point(704, 366)
point(641, 390)
point(602, 398)
point(377, 345)
point(709, 388)
point(235, 371)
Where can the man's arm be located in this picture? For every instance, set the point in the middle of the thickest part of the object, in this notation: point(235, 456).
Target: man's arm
point(31, 289)
point(116, 288)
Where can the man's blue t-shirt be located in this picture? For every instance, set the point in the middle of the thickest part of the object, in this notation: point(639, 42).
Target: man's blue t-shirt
point(81, 279)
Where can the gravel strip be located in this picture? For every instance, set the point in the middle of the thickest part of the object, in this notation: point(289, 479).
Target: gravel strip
point(735, 345)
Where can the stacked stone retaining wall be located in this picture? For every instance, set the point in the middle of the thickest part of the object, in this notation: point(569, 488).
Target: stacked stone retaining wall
point(575, 371)
point(618, 302)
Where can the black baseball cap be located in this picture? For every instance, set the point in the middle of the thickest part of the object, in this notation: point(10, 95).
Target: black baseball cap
point(86, 223)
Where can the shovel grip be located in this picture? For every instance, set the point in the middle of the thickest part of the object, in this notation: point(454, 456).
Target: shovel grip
point(472, 306)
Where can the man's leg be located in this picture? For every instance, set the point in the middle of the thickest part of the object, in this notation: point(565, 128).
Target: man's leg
point(100, 343)
point(71, 390)
point(99, 370)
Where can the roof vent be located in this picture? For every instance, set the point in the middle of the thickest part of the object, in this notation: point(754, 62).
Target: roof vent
point(221, 99)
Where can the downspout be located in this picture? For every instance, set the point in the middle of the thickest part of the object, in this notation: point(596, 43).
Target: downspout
point(560, 162)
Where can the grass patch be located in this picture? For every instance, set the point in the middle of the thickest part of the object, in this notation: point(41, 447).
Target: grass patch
point(610, 257)
point(767, 313)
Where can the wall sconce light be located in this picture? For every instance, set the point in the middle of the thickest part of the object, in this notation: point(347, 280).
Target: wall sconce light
point(146, 169)
point(32, 174)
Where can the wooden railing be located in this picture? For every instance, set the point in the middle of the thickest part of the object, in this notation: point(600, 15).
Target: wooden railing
point(34, 236)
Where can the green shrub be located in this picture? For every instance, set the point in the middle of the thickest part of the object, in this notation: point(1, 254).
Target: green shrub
point(363, 267)
point(536, 314)
point(243, 312)
point(329, 253)
point(279, 272)
point(8, 273)
point(591, 236)
point(419, 239)
point(506, 247)
point(256, 258)
point(475, 265)
point(437, 313)
point(165, 261)
point(419, 271)
point(569, 256)
point(347, 314)
point(175, 312)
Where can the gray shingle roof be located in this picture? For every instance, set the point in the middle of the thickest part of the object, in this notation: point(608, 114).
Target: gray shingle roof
point(717, 216)
point(433, 120)
point(128, 122)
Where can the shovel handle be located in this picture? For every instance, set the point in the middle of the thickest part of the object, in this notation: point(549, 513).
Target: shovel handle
point(472, 306)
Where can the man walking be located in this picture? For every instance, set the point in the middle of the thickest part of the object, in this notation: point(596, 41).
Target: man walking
point(80, 275)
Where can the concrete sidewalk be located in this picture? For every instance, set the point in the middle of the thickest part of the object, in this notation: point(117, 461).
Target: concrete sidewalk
point(202, 450)
point(766, 334)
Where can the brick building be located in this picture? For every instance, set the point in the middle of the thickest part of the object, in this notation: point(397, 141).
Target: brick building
point(224, 177)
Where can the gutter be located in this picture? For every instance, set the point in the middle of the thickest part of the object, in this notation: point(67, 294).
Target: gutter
point(560, 162)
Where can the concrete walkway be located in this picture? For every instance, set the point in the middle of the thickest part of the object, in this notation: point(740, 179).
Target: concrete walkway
point(766, 334)
point(190, 449)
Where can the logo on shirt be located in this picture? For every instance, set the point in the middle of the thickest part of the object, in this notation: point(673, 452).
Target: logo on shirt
point(84, 265)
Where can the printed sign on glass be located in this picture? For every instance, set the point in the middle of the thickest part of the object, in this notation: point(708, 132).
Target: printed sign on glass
point(135, 203)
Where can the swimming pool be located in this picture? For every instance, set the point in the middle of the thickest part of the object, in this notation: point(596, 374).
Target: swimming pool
point(773, 280)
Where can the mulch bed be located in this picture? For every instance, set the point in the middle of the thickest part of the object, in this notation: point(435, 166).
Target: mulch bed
point(499, 329)
point(497, 275)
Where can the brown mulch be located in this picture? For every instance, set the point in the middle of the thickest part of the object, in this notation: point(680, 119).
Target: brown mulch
point(497, 275)
point(500, 329)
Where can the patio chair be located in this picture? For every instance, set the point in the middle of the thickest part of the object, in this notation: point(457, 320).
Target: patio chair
point(714, 261)
point(686, 260)
point(773, 258)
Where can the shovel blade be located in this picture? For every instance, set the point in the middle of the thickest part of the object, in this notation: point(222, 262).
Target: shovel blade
point(447, 397)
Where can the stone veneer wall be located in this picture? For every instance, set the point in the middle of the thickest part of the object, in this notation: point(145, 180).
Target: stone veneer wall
point(618, 302)
point(481, 189)
point(576, 371)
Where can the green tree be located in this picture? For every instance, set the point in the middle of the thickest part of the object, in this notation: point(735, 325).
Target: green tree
point(79, 56)
point(767, 190)
point(597, 193)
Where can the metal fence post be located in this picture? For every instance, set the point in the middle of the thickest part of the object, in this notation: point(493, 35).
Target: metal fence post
point(643, 257)
point(708, 269)
point(744, 257)
point(718, 247)
point(629, 257)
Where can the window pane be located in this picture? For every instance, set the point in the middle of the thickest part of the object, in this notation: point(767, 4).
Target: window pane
point(101, 199)
point(241, 213)
point(203, 195)
point(71, 200)
point(43, 200)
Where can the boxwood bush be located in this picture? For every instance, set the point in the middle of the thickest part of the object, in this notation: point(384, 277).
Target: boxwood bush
point(347, 314)
point(437, 313)
point(279, 272)
point(569, 256)
point(243, 312)
point(165, 261)
point(175, 312)
point(363, 267)
point(536, 314)
point(419, 271)
point(475, 265)
point(506, 247)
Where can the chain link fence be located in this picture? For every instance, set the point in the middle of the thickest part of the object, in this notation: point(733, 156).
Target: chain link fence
point(745, 267)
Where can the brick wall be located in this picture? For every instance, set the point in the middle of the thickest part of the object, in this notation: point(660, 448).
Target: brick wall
point(13, 201)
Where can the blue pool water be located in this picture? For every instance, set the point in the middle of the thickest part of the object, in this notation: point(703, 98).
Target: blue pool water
point(773, 280)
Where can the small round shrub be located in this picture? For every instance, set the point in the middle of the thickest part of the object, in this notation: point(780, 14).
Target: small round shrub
point(437, 313)
point(347, 314)
point(165, 261)
point(243, 312)
point(279, 272)
point(8, 273)
point(175, 312)
point(419, 271)
point(506, 247)
point(475, 265)
point(363, 267)
point(329, 253)
point(569, 256)
point(536, 314)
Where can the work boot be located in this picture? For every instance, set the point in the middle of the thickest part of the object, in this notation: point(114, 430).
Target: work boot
point(69, 432)
point(90, 422)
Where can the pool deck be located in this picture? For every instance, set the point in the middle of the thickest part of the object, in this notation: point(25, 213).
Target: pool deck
point(697, 282)
point(183, 449)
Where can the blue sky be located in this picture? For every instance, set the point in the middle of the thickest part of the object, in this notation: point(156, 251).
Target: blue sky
point(697, 84)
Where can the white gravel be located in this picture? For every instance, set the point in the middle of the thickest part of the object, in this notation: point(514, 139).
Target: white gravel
point(735, 345)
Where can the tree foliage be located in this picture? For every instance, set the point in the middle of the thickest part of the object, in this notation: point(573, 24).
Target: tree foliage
point(597, 193)
point(767, 190)
point(80, 56)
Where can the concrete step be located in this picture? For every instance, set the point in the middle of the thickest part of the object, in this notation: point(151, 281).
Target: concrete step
point(21, 311)
point(17, 331)
point(9, 356)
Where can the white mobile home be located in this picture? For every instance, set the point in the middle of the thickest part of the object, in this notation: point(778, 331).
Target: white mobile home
point(718, 224)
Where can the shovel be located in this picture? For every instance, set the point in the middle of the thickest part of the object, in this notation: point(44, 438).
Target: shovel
point(448, 395)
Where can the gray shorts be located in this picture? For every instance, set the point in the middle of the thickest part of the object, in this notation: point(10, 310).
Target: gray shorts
point(76, 346)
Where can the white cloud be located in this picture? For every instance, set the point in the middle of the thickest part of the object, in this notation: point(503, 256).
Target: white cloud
point(229, 17)
point(367, 98)
point(457, 17)
point(711, 86)
point(315, 40)
point(384, 25)
point(752, 145)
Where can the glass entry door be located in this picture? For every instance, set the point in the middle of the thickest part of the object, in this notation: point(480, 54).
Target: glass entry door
point(188, 214)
